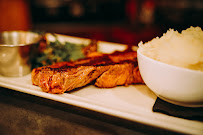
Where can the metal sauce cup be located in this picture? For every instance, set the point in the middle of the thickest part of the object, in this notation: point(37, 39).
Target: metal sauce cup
point(15, 52)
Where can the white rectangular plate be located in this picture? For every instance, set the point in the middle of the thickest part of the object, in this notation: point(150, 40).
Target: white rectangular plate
point(133, 103)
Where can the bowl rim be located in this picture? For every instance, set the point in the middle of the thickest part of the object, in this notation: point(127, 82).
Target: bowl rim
point(165, 64)
point(21, 31)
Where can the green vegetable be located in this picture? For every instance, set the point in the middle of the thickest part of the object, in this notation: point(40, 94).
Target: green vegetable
point(58, 52)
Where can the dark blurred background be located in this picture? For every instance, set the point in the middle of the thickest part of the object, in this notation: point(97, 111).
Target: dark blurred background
point(121, 21)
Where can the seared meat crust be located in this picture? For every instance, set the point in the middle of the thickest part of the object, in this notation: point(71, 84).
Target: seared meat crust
point(105, 71)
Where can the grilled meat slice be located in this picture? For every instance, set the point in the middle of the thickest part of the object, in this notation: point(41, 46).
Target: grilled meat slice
point(108, 70)
point(119, 74)
point(55, 80)
point(91, 48)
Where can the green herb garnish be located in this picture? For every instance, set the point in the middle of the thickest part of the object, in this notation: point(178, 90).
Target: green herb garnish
point(58, 52)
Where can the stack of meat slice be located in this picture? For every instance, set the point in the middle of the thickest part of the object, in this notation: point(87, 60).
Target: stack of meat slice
point(104, 71)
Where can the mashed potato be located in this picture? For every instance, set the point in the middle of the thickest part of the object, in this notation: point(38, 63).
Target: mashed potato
point(183, 49)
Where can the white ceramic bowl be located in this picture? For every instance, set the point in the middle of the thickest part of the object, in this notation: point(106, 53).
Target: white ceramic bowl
point(173, 84)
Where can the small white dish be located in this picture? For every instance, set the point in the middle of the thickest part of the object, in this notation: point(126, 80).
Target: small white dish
point(173, 84)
